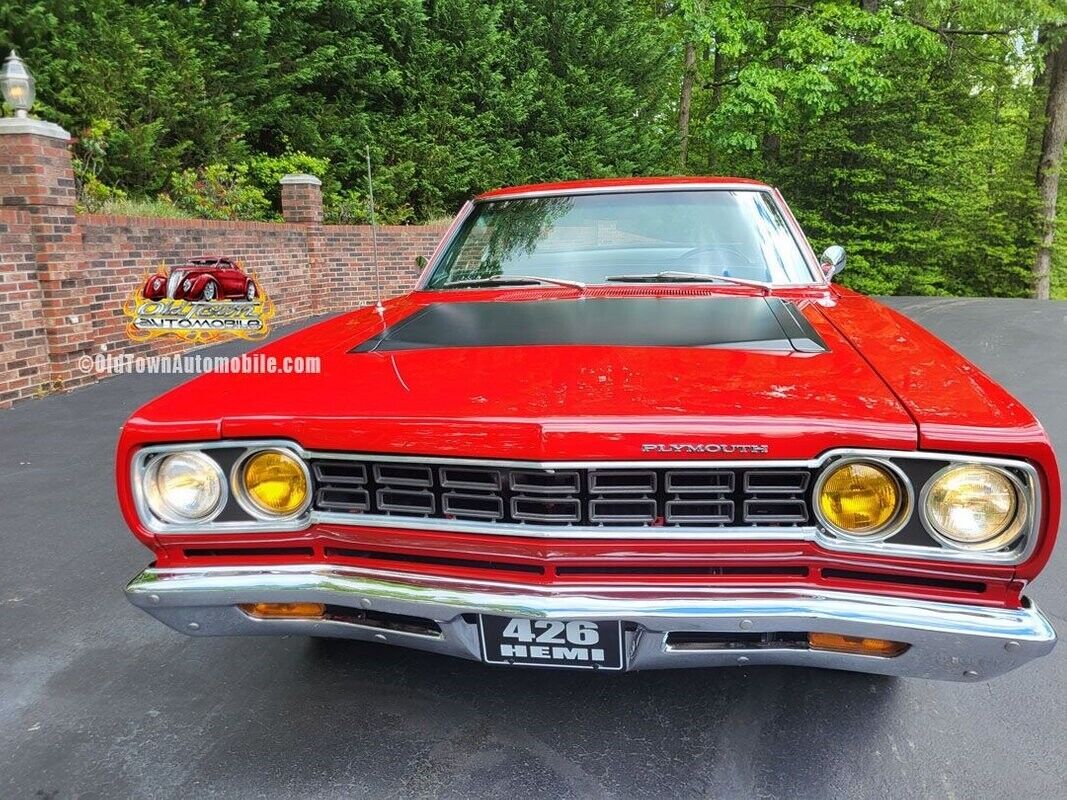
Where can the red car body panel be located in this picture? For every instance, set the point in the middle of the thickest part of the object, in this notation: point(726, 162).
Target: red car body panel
point(956, 406)
point(886, 384)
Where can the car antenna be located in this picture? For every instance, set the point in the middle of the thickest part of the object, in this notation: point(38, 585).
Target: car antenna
point(374, 238)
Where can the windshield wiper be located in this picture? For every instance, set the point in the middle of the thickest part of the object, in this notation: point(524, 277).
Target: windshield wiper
point(684, 277)
point(517, 280)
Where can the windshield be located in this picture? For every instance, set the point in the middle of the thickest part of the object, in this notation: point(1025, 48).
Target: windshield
point(594, 238)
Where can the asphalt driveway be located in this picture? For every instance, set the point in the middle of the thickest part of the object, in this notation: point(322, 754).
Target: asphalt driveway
point(97, 700)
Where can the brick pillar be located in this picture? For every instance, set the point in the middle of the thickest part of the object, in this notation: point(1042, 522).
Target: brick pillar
point(36, 176)
point(302, 199)
point(302, 205)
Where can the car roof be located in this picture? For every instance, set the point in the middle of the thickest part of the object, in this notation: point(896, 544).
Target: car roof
point(606, 184)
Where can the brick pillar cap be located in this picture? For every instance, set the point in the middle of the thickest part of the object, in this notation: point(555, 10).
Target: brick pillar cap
point(300, 177)
point(37, 127)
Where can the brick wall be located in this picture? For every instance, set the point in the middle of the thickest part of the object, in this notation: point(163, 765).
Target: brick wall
point(305, 269)
point(24, 366)
point(345, 267)
point(37, 180)
point(64, 277)
point(120, 252)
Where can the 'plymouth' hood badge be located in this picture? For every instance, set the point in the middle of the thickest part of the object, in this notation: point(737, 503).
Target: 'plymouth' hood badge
point(713, 448)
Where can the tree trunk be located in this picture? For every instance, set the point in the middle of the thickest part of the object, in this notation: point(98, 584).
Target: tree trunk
point(870, 6)
point(685, 102)
point(772, 141)
point(1035, 124)
point(716, 77)
point(1048, 174)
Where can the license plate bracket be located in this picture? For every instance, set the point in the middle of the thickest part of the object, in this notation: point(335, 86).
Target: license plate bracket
point(559, 643)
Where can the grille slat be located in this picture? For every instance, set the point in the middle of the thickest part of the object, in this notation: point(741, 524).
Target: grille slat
point(545, 481)
point(464, 478)
point(616, 510)
point(405, 501)
point(677, 497)
point(699, 481)
point(473, 506)
point(546, 509)
point(776, 511)
point(714, 511)
point(622, 481)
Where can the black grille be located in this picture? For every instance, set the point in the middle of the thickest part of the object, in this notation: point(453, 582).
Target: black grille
point(676, 497)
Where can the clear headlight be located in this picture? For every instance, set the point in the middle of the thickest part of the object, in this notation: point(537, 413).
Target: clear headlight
point(972, 507)
point(183, 487)
point(272, 484)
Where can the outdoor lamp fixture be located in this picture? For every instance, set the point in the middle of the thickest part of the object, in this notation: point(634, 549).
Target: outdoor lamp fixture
point(16, 82)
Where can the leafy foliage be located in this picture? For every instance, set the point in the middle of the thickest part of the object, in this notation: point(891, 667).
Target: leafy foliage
point(904, 129)
point(219, 191)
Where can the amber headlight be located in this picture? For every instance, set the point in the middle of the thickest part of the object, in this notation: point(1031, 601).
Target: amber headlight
point(862, 500)
point(272, 484)
point(184, 487)
point(973, 507)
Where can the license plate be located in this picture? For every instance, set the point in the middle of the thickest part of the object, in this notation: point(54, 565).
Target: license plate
point(576, 643)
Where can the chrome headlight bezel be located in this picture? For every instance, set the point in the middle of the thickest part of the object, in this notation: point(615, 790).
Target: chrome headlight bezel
point(240, 491)
point(158, 505)
point(229, 517)
point(1005, 538)
point(901, 515)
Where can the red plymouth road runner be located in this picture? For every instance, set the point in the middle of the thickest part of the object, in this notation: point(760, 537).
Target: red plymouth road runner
point(618, 425)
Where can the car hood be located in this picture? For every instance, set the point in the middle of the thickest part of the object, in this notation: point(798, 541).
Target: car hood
point(551, 399)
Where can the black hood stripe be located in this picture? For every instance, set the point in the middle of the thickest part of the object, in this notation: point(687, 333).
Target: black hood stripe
point(757, 323)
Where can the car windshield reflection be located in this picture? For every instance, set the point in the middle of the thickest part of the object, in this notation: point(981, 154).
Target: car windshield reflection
point(598, 238)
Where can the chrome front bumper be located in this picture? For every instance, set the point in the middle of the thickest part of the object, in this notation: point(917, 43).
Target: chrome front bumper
point(948, 641)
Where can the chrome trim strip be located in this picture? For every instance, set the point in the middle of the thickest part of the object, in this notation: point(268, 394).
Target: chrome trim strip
point(173, 281)
point(633, 188)
point(563, 531)
point(785, 533)
point(948, 641)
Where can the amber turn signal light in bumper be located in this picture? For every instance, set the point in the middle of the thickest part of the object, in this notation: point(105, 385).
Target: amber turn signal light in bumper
point(858, 645)
point(284, 610)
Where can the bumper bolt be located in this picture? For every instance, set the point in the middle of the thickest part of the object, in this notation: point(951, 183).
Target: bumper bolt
point(365, 602)
point(1011, 647)
point(742, 659)
point(745, 624)
point(193, 626)
point(970, 674)
point(153, 599)
point(380, 637)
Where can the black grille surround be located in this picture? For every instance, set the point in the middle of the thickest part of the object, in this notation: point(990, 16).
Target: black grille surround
point(672, 497)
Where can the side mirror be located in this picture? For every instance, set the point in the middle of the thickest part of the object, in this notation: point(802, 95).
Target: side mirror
point(832, 260)
point(421, 262)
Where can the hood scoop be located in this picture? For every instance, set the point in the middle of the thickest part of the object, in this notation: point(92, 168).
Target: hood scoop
point(751, 323)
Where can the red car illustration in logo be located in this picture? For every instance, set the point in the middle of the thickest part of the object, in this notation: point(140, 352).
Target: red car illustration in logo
point(202, 280)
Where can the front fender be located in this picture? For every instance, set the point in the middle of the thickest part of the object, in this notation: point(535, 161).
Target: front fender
point(197, 289)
